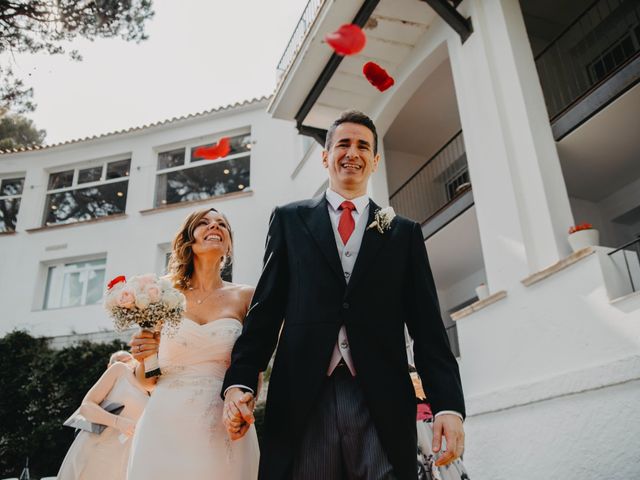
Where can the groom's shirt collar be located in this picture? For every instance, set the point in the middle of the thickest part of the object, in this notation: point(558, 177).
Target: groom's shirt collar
point(335, 199)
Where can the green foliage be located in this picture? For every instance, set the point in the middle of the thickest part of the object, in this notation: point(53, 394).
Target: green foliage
point(31, 26)
point(40, 388)
point(17, 131)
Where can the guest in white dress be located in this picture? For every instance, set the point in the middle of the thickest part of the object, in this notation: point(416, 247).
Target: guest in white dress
point(181, 434)
point(104, 456)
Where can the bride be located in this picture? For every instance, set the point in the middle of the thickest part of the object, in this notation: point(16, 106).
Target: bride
point(181, 434)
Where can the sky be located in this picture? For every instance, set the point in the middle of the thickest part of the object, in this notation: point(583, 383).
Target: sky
point(200, 54)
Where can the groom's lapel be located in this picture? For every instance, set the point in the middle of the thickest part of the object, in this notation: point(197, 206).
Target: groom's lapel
point(372, 241)
point(316, 218)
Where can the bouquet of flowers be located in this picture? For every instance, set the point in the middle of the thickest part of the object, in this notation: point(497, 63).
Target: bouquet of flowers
point(150, 302)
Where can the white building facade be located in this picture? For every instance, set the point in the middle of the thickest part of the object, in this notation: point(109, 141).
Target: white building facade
point(509, 122)
point(80, 213)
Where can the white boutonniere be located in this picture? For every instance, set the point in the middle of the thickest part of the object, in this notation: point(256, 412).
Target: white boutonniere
point(383, 218)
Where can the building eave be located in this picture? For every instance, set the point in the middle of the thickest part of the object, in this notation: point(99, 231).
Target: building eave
point(170, 122)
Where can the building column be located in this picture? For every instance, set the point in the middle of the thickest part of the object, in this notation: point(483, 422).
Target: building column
point(520, 196)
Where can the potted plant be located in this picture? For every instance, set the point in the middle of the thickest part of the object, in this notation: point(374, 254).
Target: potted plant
point(582, 236)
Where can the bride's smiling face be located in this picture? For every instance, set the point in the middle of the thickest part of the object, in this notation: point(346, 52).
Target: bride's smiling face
point(212, 236)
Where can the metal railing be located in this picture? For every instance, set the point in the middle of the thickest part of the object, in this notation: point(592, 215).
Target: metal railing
point(306, 20)
point(595, 45)
point(628, 256)
point(436, 184)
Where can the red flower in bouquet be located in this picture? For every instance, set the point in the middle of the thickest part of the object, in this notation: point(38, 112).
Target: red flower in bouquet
point(377, 76)
point(115, 281)
point(219, 150)
point(349, 39)
point(582, 226)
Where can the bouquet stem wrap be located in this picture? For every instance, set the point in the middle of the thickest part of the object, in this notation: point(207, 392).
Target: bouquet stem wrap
point(151, 364)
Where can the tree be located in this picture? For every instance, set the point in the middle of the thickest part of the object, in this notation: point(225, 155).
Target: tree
point(32, 26)
point(40, 388)
point(17, 131)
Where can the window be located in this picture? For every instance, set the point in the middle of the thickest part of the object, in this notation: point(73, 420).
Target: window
point(10, 194)
point(74, 284)
point(183, 177)
point(86, 192)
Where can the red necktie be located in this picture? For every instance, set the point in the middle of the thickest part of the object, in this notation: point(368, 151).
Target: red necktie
point(346, 225)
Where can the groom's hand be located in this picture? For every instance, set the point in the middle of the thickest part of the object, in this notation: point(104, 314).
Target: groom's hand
point(238, 412)
point(451, 427)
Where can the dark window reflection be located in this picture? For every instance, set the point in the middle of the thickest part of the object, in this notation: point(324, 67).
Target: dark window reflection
point(205, 181)
point(86, 203)
point(60, 180)
point(172, 158)
point(9, 214)
point(92, 174)
point(118, 169)
point(11, 186)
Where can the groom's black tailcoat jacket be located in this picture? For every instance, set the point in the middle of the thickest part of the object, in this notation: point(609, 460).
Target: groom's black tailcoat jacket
point(302, 291)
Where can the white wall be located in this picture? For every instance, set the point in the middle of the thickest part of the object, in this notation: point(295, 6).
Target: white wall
point(132, 244)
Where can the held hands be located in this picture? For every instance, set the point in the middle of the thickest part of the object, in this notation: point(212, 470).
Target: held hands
point(237, 414)
point(144, 344)
point(451, 427)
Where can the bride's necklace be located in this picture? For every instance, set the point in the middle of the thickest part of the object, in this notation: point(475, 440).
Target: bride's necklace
point(199, 301)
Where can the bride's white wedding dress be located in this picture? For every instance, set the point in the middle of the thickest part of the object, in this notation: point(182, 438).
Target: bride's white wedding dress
point(181, 434)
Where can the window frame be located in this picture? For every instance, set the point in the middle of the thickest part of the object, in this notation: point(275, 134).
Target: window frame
point(187, 147)
point(104, 163)
point(66, 264)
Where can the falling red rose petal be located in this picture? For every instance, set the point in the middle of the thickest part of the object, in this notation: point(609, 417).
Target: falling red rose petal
point(377, 76)
point(115, 281)
point(349, 39)
point(219, 150)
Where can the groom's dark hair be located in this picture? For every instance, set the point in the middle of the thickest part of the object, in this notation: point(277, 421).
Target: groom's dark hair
point(352, 116)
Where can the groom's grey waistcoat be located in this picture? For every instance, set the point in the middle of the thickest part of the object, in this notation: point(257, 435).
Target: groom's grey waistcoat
point(303, 284)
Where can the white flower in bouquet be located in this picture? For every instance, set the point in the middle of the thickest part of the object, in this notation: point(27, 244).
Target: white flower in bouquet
point(173, 298)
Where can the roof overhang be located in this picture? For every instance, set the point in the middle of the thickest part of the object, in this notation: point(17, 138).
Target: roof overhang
point(319, 84)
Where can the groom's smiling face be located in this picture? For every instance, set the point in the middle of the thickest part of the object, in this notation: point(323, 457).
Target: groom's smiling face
point(350, 159)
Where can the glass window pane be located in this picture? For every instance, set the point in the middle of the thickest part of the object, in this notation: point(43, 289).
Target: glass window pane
point(92, 174)
point(54, 287)
point(95, 287)
point(240, 143)
point(172, 158)
point(118, 169)
point(60, 180)
point(208, 180)
point(86, 203)
point(72, 287)
point(11, 186)
point(9, 214)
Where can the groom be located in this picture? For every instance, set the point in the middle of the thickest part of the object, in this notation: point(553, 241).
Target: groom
point(334, 296)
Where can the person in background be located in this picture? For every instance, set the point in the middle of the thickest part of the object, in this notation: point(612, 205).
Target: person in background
point(104, 456)
point(424, 426)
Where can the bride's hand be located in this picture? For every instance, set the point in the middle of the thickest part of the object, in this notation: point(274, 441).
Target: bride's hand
point(144, 344)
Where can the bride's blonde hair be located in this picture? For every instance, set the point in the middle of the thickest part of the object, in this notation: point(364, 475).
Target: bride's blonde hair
point(180, 268)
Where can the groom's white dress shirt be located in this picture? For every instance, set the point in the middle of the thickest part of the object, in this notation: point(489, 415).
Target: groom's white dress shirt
point(348, 254)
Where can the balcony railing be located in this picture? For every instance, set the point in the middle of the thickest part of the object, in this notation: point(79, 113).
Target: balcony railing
point(604, 38)
point(306, 20)
point(628, 257)
point(438, 183)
